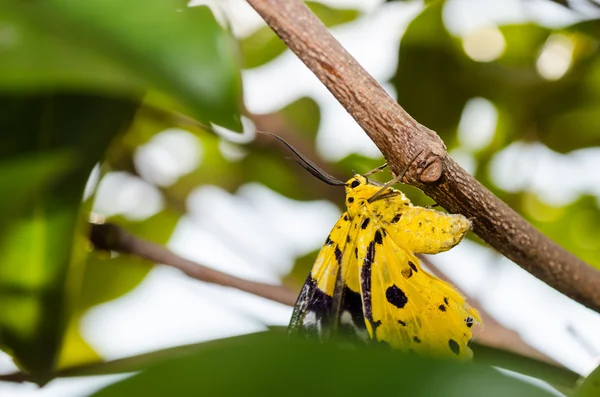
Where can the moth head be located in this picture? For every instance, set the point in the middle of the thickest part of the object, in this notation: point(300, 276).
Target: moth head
point(359, 189)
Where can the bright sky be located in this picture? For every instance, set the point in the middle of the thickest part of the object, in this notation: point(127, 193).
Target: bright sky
point(168, 309)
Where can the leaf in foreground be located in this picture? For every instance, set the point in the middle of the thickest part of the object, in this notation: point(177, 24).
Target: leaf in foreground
point(272, 364)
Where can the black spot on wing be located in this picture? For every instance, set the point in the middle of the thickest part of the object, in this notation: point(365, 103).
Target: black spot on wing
point(469, 321)
point(442, 308)
point(347, 238)
point(328, 241)
point(402, 323)
point(356, 253)
point(365, 281)
point(412, 266)
point(354, 184)
point(352, 304)
point(454, 346)
point(378, 238)
point(446, 301)
point(346, 217)
point(365, 223)
point(338, 255)
point(396, 218)
point(396, 296)
point(416, 339)
point(407, 272)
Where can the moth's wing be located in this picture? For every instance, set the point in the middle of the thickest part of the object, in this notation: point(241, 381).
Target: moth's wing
point(423, 230)
point(406, 307)
point(347, 311)
point(312, 314)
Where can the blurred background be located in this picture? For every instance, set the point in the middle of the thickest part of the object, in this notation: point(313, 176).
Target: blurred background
point(511, 86)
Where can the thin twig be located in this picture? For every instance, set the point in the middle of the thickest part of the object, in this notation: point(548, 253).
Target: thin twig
point(114, 238)
point(400, 138)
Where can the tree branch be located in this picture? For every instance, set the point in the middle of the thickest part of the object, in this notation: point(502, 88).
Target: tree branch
point(402, 140)
point(111, 237)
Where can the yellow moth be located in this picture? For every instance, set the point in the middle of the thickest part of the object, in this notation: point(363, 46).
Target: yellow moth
point(367, 282)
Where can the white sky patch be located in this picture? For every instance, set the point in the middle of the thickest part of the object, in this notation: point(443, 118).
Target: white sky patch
point(128, 195)
point(541, 315)
point(168, 156)
point(556, 57)
point(477, 124)
point(76, 386)
point(92, 182)
point(231, 151)
point(464, 16)
point(484, 44)
point(254, 221)
point(465, 159)
point(167, 309)
point(558, 179)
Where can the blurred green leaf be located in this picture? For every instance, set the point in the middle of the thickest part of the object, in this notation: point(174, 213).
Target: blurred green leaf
point(184, 53)
point(574, 227)
point(42, 250)
point(304, 116)
point(432, 73)
point(590, 386)
point(35, 59)
point(23, 178)
point(263, 45)
point(75, 351)
point(561, 378)
point(272, 364)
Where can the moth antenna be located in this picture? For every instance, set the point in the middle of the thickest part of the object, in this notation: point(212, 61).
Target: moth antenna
point(307, 164)
point(397, 179)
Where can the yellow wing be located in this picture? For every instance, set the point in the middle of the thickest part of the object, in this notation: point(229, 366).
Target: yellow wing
point(404, 305)
point(325, 303)
point(426, 231)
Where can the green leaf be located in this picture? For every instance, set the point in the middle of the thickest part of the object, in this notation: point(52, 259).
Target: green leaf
point(37, 59)
point(43, 249)
point(184, 53)
point(332, 16)
point(24, 177)
point(304, 116)
point(559, 377)
point(271, 364)
point(574, 226)
point(590, 387)
point(263, 45)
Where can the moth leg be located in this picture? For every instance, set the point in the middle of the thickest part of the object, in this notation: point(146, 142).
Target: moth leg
point(396, 179)
point(376, 170)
